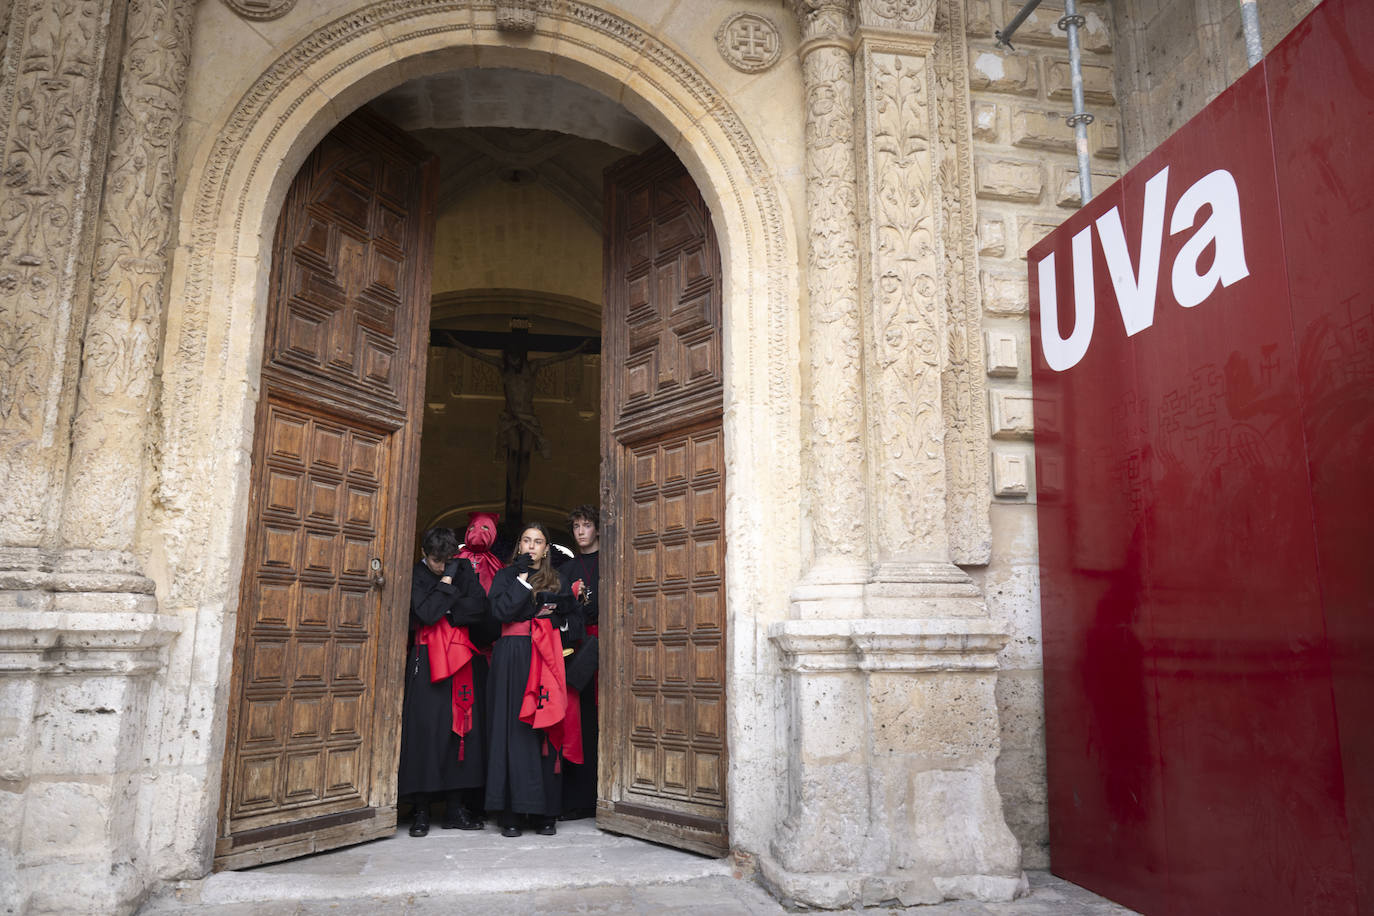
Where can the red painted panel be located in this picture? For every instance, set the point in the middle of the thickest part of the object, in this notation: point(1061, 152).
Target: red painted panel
point(1321, 84)
point(1197, 759)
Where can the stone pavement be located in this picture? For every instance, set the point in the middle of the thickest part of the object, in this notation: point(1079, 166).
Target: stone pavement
point(580, 870)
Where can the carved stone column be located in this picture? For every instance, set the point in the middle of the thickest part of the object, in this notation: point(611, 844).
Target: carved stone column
point(106, 471)
point(55, 86)
point(834, 409)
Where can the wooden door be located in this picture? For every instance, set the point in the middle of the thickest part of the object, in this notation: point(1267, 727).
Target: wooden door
point(314, 714)
point(663, 750)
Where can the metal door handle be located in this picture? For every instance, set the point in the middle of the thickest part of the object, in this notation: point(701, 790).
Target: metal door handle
point(378, 576)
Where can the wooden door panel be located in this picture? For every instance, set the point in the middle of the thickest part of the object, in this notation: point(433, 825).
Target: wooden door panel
point(665, 756)
point(314, 610)
point(311, 753)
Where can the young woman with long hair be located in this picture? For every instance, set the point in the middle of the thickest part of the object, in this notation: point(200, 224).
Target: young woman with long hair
point(524, 773)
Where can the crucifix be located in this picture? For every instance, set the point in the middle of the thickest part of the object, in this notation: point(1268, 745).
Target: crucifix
point(520, 433)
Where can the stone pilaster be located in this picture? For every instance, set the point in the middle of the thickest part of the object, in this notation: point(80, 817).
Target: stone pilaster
point(55, 86)
point(909, 331)
point(834, 406)
point(80, 307)
point(894, 735)
point(108, 453)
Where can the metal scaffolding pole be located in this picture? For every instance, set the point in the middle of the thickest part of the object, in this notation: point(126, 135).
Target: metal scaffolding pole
point(1080, 119)
point(1249, 21)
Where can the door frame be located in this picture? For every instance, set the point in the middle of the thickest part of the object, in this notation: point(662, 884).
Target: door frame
point(240, 163)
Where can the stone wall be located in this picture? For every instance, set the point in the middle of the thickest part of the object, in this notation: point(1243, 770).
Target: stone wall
point(516, 236)
point(878, 401)
point(1026, 180)
point(1175, 56)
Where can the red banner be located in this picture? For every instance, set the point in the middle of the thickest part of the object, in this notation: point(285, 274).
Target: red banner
point(1203, 366)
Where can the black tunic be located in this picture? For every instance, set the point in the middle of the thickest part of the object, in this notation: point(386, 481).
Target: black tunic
point(579, 780)
point(521, 771)
point(429, 747)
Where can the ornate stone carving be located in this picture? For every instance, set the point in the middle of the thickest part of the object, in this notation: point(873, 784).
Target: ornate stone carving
point(122, 330)
point(906, 327)
point(53, 99)
point(516, 15)
point(260, 9)
point(928, 433)
point(835, 398)
point(963, 384)
point(914, 15)
point(749, 42)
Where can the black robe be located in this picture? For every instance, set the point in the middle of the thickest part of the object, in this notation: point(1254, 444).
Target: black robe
point(522, 770)
point(579, 780)
point(429, 747)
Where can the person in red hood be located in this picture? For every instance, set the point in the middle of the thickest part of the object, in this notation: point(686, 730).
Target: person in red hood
point(477, 541)
point(528, 691)
point(444, 710)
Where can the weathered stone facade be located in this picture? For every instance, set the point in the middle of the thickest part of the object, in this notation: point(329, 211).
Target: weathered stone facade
point(876, 170)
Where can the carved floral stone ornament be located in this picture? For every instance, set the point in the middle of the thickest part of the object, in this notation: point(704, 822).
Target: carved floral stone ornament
point(516, 15)
point(260, 9)
point(749, 42)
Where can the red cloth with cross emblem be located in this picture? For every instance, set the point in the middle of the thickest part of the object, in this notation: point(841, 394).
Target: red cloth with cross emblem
point(450, 655)
point(545, 704)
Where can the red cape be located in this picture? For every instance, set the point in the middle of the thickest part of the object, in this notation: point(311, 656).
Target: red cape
point(450, 655)
point(545, 704)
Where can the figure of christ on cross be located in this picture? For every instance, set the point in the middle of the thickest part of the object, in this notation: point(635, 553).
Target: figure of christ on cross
point(520, 434)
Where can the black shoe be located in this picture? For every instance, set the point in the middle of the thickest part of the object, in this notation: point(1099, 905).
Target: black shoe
point(420, 826)
point(458, 817)
point(511, 830)
point(547, 827)
point(577, 814)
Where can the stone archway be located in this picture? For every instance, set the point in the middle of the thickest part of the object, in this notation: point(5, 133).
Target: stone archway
point(235, 184)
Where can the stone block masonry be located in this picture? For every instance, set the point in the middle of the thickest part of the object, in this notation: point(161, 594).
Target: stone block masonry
point(1025, 179)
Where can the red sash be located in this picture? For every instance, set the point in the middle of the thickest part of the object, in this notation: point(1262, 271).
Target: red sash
point(545, 704)
point(450, 655)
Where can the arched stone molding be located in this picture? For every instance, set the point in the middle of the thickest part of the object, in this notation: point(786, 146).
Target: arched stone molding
point(235, 184)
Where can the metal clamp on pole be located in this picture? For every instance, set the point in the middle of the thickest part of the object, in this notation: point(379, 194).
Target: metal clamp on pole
point(1004, 36)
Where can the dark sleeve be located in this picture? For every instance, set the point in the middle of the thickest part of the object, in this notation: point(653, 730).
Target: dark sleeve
point(569, 617)
point(429, 598)
point(511, 601)
point(469, 601)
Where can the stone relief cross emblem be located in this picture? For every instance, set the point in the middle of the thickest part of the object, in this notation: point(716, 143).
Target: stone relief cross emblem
point(752, 41)
point(749, 42)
